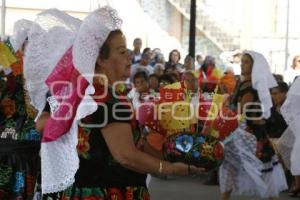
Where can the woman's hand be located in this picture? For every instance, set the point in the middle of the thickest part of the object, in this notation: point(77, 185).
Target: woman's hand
point(181, 169)
point(123, 149)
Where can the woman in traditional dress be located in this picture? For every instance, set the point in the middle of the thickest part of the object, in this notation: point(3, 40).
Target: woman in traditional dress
point(251, 166)
point(19, 141)
point(113, 156)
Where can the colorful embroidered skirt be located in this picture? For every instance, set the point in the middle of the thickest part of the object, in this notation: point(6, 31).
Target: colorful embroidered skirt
point(19, 168)
point(97, 193)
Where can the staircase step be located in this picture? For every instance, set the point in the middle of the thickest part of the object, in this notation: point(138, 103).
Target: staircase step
point(207, 25)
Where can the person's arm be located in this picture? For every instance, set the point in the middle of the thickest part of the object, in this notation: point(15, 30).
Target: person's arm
point(144, 146)
point(41, 121)
point(118, 137)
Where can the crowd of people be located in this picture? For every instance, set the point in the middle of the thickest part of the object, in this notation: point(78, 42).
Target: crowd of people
point(82, 140)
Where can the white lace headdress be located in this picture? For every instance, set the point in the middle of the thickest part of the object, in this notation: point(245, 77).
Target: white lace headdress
point(59, 157)
point(52, 33)
point(262, 80)
point(291, 113)
point(20, 33)
point(91, 36)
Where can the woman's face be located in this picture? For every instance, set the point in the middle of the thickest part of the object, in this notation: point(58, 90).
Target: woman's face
point(246, 65)
point(117, 66)
point(174, 57)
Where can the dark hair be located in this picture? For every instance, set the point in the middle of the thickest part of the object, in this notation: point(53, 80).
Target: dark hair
point(247, 54)
point(208, 61)
point(166, 78)
point(154, 76)
point(136, 39)
point(146, 50)
point(140, 74)
point(282, 86)
point(105, 48)
point(187, 57)
point(278, 77)
point(146, 55)
point(198, 56)
point(175, 76)
point(173, 68)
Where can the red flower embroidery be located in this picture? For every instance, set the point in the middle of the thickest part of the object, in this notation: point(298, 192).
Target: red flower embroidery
point(101, 94)
point(83, 142)
point(9, 107)
point(146, 195)
point(219, 152)
point(259, 149)
point(11, 83)
point(114, 194)
point(207, 150)
point(129, 193)
point(30, 183)
point(65, 197)
point(93, 198)
point(17, 67)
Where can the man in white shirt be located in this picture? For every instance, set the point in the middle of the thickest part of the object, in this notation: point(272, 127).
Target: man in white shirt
point(137, 55)
point(144, 65)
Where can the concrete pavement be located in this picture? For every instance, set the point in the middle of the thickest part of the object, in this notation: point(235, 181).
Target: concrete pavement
point(190, 188)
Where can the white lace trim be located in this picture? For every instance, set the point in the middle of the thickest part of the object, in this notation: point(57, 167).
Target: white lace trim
point(91, 36)
point(59, 158)
point(241, 169)
point(59, 162)
point(52, 33)
point(291, 113)
point(295, 156)
point(285, 145)
point(291, 107)
point(20, 33)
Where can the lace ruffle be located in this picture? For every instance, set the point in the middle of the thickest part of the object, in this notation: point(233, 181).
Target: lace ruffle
point(59, 158)
point(241, 169)
point(52, 33)
point(291, 113)
point(59, 162)
point(20, 33)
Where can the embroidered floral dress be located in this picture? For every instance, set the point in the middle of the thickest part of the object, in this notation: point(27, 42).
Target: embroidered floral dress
point(19, 141)
point(99, 175)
